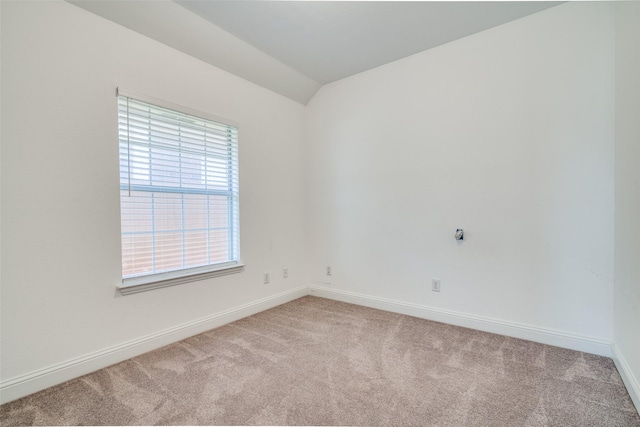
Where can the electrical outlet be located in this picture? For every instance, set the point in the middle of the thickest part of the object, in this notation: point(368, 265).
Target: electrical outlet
point(328, 271)
point(285, 273)
point(435, 285)
point(266, 278)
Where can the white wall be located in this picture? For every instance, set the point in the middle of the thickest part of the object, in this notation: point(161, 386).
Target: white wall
point(508, 134)
point(60, 185)
point(627, 226)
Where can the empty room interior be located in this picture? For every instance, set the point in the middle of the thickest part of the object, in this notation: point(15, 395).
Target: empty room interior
point(320, 213)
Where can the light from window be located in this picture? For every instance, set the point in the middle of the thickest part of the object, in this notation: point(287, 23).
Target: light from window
point(178, 191)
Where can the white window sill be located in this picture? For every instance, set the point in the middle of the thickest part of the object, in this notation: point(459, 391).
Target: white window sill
point(162, 280)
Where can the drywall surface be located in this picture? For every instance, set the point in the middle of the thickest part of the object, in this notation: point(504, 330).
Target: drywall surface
point(60, 185)
point(507, 134)
point(627, 218)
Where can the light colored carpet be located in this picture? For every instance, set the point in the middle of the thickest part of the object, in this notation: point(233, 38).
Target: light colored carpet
point(320, 362)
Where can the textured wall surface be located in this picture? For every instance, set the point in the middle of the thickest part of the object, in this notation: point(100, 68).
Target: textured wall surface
point(627, 231)
point(507, 134)
point(60, 184)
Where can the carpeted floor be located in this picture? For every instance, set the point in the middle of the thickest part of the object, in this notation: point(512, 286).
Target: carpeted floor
point(321, 362)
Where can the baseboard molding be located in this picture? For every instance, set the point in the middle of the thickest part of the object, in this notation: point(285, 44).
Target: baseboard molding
point(630, 381)
point(496, 326)
point(32, 382)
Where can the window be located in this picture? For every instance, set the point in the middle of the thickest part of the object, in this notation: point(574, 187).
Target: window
point(178, 195)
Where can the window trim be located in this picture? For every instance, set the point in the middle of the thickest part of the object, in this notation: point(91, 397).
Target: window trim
point(149, 282)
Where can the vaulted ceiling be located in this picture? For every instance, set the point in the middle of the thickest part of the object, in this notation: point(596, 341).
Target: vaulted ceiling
point(295, 47)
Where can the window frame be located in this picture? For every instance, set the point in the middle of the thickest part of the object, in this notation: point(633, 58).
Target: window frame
point(140, 283)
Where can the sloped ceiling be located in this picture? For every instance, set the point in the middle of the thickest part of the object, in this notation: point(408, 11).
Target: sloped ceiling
point(294, 47)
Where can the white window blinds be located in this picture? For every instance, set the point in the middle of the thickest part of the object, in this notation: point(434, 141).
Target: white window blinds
point(178, 191)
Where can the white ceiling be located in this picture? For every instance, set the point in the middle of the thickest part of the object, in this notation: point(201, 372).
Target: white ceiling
point(328, 41)
point(294, 47)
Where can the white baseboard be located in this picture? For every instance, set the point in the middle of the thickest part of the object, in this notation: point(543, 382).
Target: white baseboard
point(496, 326)
point(630, 381)
point(32, 382)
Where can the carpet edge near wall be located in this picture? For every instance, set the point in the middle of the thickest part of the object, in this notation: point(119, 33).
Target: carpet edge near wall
point(35, 381)
point(32, 382)
point(515, 330)
point(629, 380)
point(552, 337)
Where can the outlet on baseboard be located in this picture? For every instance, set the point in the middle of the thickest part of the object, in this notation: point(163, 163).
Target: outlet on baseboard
point(285, 273)
point(435, 285)
point(266, 278)
point(328, 271)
